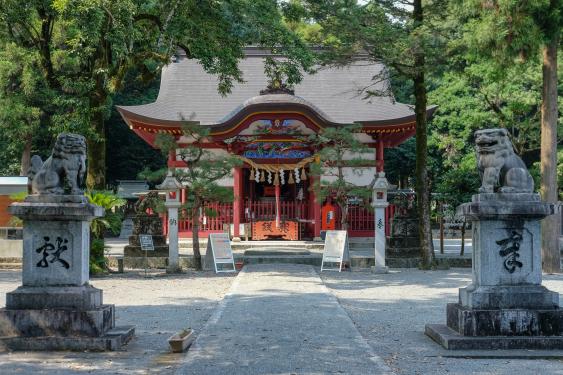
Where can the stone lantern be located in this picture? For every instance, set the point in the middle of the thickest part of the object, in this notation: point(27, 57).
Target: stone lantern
point(172, 187)
point(380, 204)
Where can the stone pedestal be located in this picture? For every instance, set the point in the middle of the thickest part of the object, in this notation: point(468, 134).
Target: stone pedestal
point(56, 308)
point(505, 306)
point(147, 224)
point(403, 250)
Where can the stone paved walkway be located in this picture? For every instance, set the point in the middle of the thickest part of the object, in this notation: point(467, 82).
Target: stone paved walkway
point(280, 319)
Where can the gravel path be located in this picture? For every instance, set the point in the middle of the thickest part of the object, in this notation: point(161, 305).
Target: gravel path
point(159, 306)
point(390, 311)
point(281, 319)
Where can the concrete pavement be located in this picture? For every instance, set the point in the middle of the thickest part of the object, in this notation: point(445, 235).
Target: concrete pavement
point(280, 319)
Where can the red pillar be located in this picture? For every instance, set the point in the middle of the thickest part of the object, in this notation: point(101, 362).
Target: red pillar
point(237, 202)
point(316, 209)
point(379, 156)
point(278, 205)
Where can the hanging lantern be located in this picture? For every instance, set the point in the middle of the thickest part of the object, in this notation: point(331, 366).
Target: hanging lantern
point(303, 175)
point(262, 176)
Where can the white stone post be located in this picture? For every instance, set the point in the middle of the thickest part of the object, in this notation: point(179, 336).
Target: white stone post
point(379, 204)
point(172, 187)
point(173, 255)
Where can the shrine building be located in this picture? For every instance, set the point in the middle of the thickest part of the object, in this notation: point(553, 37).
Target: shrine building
point(267, 129)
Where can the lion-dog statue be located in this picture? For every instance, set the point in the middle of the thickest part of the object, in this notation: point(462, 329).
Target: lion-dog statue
point(63, 172)
point(498, 165)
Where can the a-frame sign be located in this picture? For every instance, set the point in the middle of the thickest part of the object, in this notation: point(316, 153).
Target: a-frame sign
point(219, 255)
point(336, 250)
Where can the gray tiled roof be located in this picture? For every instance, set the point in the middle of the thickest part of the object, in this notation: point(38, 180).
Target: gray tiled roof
point(188, 92)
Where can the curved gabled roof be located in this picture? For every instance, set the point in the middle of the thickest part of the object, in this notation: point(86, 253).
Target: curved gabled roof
point(187, 92)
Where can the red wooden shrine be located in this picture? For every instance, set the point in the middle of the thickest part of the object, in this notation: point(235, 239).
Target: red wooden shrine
point(269, 130)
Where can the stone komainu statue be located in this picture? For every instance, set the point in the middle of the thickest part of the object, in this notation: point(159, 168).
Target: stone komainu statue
point(66, 165)
point(498, 165)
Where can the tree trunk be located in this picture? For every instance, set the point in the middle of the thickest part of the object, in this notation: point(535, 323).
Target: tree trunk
point(96, 178)
point(549, 116)
point(422, 188)
point(195, 239)
point(26, 156)
point(343, 215)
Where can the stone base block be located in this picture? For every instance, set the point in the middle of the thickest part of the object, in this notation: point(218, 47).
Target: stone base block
point(394, 262)
point(113, 339)
point(504, 322)
point(136, 251)
point(57, 322)
point(452, 340)
point(397, 251)
point(84, 297)
point(379, 269)
point(508, 297)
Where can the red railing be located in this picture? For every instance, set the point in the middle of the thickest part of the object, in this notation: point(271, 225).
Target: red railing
point(361, 222)
point(223, 214)
point(254, 211)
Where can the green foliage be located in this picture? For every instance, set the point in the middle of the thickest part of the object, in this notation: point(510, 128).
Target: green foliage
point(535, 172)
point(400, 164)
point(111, 219)
point(456, 185)
point(98, 260)
point(203, 168)
point(201, 174)
point(339, 149)
point(63, 61)
point(129, 153)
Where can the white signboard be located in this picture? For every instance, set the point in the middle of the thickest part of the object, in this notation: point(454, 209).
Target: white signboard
point(336, 250)
point(219, 253)
point(146, 242)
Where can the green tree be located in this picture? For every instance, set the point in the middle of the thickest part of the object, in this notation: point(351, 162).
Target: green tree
point(203, 169)
point(85, 48)
point(510, 32)
point(23, 96)
point(129, 153)
point(401, 35)
point(339, 150)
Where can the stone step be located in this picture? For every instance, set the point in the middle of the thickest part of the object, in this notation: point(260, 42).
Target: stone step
point(313, 260)
point(10, 266)
point(278, 252)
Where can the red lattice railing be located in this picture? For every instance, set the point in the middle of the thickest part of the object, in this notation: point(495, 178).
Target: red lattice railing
point(361, 222)
point(255, 211)
point(223, 214)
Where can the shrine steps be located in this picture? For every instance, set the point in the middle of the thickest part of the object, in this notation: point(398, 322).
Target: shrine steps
point(241, 246)
point(287, 255)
